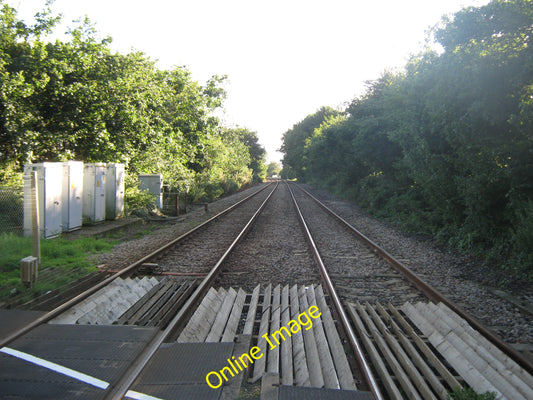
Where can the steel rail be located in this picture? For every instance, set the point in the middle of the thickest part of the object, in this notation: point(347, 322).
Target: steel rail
point(75, 300)
point(429, 291)
point(118, 389)
point(356, 347)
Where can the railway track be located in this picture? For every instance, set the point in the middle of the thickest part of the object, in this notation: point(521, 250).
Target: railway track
point(131, 269)
point(274, 282)
point(408, 287)
point(358, 267)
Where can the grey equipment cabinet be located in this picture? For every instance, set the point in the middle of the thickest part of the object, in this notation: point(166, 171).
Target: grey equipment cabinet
point(114, 191)
point(72, 195)
point(154, 184)
point(49, 177)
point(94, 179)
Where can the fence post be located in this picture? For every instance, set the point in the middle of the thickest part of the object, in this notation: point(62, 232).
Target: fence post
point(35, 222)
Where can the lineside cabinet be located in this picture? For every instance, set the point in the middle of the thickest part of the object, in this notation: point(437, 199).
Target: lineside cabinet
point(72, 195)
point(115, 191)
point(49, 184)
point(94, 180)
point(154, 184)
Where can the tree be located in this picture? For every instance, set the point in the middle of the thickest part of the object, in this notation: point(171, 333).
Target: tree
point(294, 142)
point(273, 168)
point(444, 146)
point(79, 100)
point(256, 152)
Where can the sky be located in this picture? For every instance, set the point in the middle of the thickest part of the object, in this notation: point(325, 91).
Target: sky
point(284, 58)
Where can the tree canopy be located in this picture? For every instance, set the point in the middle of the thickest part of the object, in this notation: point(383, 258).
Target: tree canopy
point(445, 145)
point(79, 100)
point(273, 168)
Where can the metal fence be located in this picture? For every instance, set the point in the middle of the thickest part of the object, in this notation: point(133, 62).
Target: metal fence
point(174, 203)
point(11, 209)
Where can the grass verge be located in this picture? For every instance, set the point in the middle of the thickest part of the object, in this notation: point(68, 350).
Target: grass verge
point(62, 261)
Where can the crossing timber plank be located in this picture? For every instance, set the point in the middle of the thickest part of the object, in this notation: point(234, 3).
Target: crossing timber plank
point(413, 355)
point(175, 295)
point(222, 316)
point(252, 309)
point(177, 303)
point(342, 367)
point(259, 365)
point(402, 377)
point(233, 322)
point(273, 354)
point(452, 339)
point(388, 382)
point(166, 295)
point(311, 351)
point(424, 349)
point(494, 356)
point(200, 323)
point(286, 346)
point(138, 309)
point(400, 355)
point(301, 372)
point(326, 362)
point(452, 355)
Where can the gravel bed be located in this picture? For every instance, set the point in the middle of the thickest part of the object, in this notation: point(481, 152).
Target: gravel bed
point(461, 278)
point(358, 274)
point(200, 252)
point(283, 256)
point(132, 250)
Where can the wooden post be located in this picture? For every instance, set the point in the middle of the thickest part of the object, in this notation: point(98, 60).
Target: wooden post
point(35, 220)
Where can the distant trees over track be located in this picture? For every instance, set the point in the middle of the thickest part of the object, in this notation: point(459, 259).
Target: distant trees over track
point(444, 146)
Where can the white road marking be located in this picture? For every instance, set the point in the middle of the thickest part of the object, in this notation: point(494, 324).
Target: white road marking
point(90, 380)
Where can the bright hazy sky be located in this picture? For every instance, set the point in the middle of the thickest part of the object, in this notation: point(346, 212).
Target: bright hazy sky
point(284, 58)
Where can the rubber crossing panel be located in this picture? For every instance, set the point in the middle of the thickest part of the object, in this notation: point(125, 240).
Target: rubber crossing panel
point(100, 352)
point(178, 370)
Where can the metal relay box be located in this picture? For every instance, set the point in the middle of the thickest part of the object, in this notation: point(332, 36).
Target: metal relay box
point(115, 191)
point(94, 180)
point(72, 206)
point(50, 188)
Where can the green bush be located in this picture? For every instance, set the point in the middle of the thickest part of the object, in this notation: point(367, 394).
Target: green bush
point(444, 145)
point(469, 394)
point(136, 201)
point(522, 240)
point(10, 175)
point(230, 186)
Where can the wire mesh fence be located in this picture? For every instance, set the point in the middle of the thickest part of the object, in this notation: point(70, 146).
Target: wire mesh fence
point(11, 209)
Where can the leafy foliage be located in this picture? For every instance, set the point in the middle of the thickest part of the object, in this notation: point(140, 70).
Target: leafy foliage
point(273, 168)
point(444, 146)
point(137, 202)
point(469, 394)
point(294, 141)
point(79, 100)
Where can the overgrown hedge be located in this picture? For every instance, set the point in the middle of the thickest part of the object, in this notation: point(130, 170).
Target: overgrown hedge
point(444, 146)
